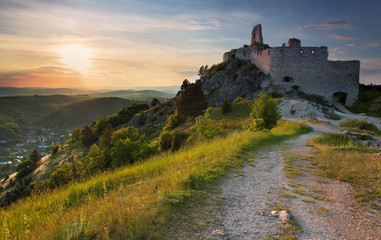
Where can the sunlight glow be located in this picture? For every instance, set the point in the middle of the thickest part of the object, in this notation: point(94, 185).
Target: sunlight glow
point(76, 57)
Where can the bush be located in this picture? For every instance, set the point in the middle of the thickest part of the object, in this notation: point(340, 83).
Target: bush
point(257, 125)
point(25, 168)
point(35, 156)
point(155, 102)
point(178, 138)
point(54, 148)
point(88, 137)
point(172, 122)
point(265, 108)
point(238, 99)
point(166, 141)
point(361, 125)
point(226, 107)
point(206, 128)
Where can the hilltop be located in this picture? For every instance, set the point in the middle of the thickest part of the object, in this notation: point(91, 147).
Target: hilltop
point(185, 166)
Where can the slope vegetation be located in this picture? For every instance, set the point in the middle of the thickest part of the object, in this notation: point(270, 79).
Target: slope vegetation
point(141, 200)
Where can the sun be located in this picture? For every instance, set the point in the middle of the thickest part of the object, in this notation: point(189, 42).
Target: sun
point(75, 57)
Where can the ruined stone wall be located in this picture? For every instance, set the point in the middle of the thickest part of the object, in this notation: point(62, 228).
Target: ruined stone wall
point(307, 67)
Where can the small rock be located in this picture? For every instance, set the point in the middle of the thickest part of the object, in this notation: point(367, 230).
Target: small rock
point(218, 232)
point(284, 216)
point(274, 213)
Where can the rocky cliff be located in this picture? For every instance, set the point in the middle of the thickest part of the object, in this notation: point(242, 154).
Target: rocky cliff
point(235, 78)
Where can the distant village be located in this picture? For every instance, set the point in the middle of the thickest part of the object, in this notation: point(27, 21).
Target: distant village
point(37, 139)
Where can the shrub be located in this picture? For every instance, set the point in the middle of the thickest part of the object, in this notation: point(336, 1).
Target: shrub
point(54, 148)
point(226, 107)
point(205, 127)
point(361, 125)
point(155, 102)
point(238, 99)
point(178, 138)
point(35, 156)
point(25, 168)
point(128, 132)
point(172, 122)
point(257, 125)
point(166, 141)
point(265, 108)
point(88, 137)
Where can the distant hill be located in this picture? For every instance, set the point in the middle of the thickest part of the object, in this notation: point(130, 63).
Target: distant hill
point(140, 95)
point(16, 113)
point(12, 91)
point(82, 113)
point(135, 94)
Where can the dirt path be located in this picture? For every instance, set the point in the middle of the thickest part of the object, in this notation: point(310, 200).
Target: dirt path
point(282, 176)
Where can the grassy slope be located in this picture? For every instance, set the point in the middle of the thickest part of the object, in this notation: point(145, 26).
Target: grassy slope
point(343, 160)
point(137, 201)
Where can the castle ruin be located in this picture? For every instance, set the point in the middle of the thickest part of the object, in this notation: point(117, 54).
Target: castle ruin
point(306, 67)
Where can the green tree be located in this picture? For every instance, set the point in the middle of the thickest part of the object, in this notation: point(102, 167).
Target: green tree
point(125, 151)
point(54, 148)
point(95, 161)
point(265, 108)
point(192, 101)
point(172, 122)
point(226, 107)
point(88, 136)
point(166, 141)
point(155, 102)
point(76, 133)
point(105, 139)
point(35, 156)
point(202, 70)
point(206, 127)
point(128, 132)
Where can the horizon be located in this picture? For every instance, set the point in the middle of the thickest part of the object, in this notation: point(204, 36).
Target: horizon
point(144, 44)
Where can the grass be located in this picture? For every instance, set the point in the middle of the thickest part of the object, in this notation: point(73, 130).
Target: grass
point(360, 125)
point(138, 201)
point(361, 166)
point(299, 191)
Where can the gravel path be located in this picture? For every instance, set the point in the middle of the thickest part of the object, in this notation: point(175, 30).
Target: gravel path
point(324, 208)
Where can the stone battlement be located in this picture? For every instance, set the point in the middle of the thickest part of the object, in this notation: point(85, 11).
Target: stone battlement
point(307, 67)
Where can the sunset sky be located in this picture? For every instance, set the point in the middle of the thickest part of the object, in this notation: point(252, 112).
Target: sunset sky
point(121, 44)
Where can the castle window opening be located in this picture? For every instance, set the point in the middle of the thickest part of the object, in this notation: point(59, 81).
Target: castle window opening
point(301, 50)
point(288, 79)
point(313, 51)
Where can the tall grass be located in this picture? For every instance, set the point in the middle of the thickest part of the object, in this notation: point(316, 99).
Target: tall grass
point(359, 165)
point(135, 202)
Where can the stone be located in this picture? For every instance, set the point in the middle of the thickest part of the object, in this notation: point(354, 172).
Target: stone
point(274, 213)
point(307, 67)
point(284, 216)
point(256, 34)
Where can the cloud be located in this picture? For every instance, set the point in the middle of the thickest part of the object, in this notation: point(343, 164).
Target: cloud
point(371, 64)
point(351, 45)
point(42, 77)
point(330, 24)
point(343, 37)
point(371, 45)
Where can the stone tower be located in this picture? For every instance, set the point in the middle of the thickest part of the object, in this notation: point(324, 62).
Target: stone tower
point(256, 34)
point(294, 43)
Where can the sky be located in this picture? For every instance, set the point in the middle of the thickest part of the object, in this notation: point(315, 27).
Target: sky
point(121, 44)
